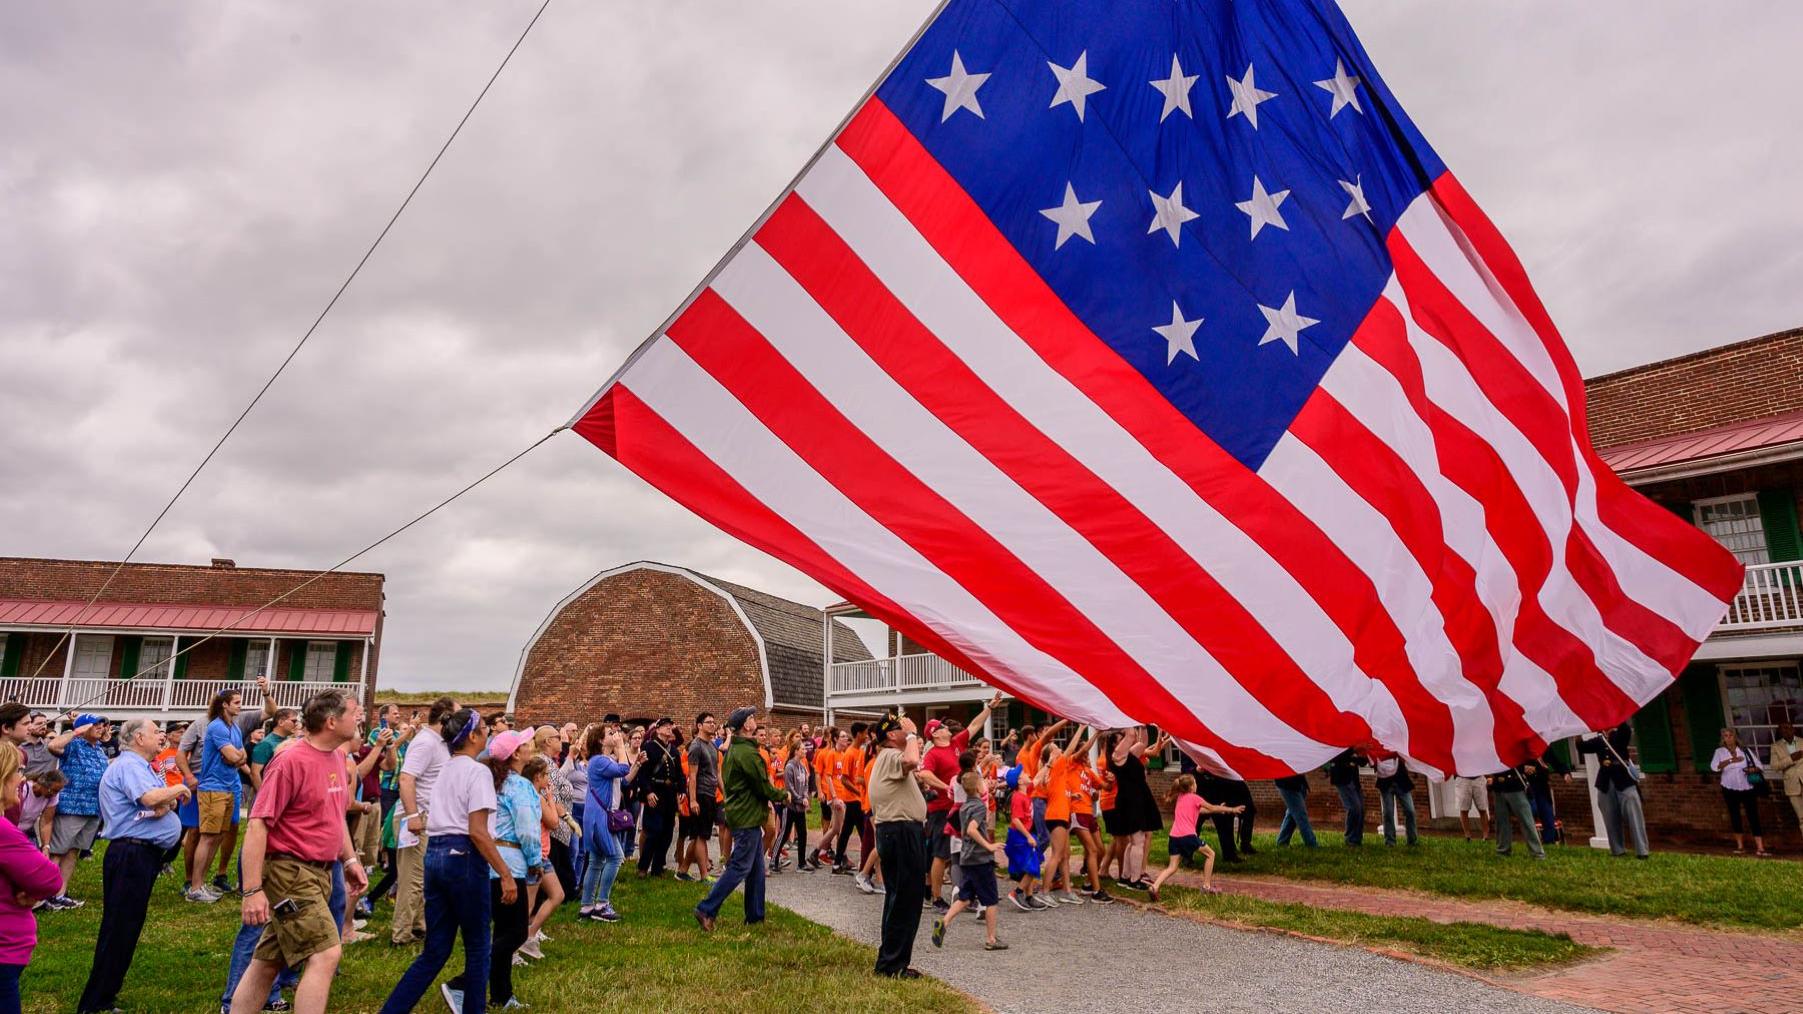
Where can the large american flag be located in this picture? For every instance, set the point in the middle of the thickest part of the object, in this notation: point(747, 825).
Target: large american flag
point(1143, 358)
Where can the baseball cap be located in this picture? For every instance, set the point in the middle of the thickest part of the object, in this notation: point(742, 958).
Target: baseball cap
point(83, 721)
point(503, 745)
point(736, 720)
point(933, 725)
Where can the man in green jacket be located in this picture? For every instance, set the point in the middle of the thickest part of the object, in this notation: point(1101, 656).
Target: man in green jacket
point(746, 783)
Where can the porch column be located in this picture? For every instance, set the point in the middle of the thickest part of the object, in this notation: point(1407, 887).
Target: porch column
point(1599, 837)
point(363, 669)
point(62, 690)
point(269, 663)
point(175, 647)
point(826, 669)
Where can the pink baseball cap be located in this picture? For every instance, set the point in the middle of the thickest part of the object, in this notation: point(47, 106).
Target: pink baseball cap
point(503, 745)
point(933, 725)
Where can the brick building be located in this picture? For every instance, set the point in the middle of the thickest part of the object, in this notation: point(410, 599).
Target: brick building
point(155, 644)
point(646, 640)
point(1717, 438)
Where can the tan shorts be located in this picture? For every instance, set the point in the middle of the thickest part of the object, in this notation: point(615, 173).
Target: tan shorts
point(309, 927)
point(217, 812)
point(1469, 794)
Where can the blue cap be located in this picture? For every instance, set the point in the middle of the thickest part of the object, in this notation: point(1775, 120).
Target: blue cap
point(1013, 777)
point(82, 721)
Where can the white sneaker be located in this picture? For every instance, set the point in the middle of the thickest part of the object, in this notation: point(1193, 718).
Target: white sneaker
point(518, 961)
point(1068, 897)
point(530, 949)
point(866, 884)
point(201, 895)
point(453, 998)
point(542, 938)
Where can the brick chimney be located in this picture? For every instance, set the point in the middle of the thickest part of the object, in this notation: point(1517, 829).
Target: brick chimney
point(221, 563)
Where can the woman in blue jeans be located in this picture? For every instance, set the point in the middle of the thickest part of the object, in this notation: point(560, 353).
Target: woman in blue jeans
point(460, 852)
point(608, 764)
point(1294, 790)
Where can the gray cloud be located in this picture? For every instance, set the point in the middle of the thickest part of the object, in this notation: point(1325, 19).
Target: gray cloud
point(184, 185)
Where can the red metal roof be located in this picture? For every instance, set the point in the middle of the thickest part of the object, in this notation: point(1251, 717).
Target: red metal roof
point(274, 620)
point(1753, 435)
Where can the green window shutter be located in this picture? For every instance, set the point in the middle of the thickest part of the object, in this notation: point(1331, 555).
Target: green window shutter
point(181, 665)
point(234, 669)
point(341, 662)
point(1681, 508)
point(129, 648)
point(1702, 690)
point(1778, 515)
point(297, 662)
point(1653, 734)
point(15, 653)
point(1561, 751)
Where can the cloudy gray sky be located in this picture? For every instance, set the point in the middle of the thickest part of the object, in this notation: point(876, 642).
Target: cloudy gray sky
point(183, 185)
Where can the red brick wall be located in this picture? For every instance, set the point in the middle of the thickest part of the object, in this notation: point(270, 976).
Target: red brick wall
point(641, 643)
point(174, 584)
point(1751, 379)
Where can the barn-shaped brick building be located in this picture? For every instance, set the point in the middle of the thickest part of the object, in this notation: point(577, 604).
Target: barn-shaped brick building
point(648, 639)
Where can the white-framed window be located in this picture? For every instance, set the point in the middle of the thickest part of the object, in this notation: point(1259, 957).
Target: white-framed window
point(93, 656)
point(256, 660)
point(1734, 522)
point(322, 656)
point(153, 657)
point(1756, 695)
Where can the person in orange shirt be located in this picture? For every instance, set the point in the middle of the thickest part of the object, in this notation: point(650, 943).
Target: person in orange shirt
point(1030, 761)
point(1060, 780)
point(1083, 819)
point(869, 878)
point(851, 797)
point(826, 779)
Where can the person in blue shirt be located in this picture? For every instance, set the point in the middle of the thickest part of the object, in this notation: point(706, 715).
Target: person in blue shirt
point(78, 809)
point(222, 757)
point(137, 812)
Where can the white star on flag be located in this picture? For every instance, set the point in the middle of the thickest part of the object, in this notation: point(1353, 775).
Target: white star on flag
point(1072, 217)
point(1246, 97)
point(1356, 191)
point(1262, 207)
point(1284, 324)
point(1175, 90)
point(1344, 89)
point(1169, 214)
point(960, 88)
point(1074, 83)
point(1179, 335)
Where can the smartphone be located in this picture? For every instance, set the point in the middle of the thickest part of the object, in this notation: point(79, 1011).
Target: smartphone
point(285, 908)
point(383, 724)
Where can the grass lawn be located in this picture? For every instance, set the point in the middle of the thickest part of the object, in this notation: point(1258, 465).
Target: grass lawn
point(1467, 945)
point(1726, 891)
point(657, 959)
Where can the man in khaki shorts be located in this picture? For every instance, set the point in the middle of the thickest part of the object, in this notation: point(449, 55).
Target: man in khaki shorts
point(1469, 794)
point(297, 830)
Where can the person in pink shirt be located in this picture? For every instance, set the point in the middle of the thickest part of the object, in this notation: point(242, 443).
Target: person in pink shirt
point(1185, 842)
point(27, 876)
point(37, 805)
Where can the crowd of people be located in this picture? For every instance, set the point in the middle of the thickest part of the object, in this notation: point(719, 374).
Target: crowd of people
point(480, 832)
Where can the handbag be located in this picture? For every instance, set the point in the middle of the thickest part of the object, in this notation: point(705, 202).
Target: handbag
point(1756, 779)
point(618, 821)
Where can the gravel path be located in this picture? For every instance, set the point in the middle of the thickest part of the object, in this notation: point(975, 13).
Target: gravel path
point(1164, 963)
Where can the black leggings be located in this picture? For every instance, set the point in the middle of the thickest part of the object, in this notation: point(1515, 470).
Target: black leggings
point(510, 933)
point(1743, 799)
point(798, 821)
point(389, 872)
point(854, 821)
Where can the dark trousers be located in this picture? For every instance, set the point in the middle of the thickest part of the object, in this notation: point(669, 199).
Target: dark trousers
point(744, 866)
point(563, 865)
point(1540, 799)
point(660, 824)
point(1743, 801)
point(1352, 798)
point(127, 874)
point(510, 933)
point(901, 848)
point(797, 821)
point(457, 902)
point(9, 988)
point(854, 821)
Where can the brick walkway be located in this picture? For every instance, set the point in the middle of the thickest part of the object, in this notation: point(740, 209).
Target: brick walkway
point(1655, 967)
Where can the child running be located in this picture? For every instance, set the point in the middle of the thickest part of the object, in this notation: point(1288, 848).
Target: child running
point(1023, 855)
point(976, 865)
point(1184, 840)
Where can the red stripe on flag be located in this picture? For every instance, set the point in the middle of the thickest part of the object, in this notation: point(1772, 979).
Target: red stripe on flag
point(958, 231)
point(1381, 478)
point(662, 456)
point(844, 286)
point(1634, 517)
point(1475, 467)
point(730, 350)
point(1508, 385)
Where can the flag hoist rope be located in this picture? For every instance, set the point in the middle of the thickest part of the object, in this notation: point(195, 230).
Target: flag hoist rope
point(104, 585)
point(239, 622)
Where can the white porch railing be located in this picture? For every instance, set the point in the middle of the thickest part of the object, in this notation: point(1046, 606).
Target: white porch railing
point(1770, 597)
point(150, 694)
point(899, 674)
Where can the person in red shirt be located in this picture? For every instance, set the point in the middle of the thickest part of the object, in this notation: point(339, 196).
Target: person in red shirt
point(296, 831)
point(938, 769)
